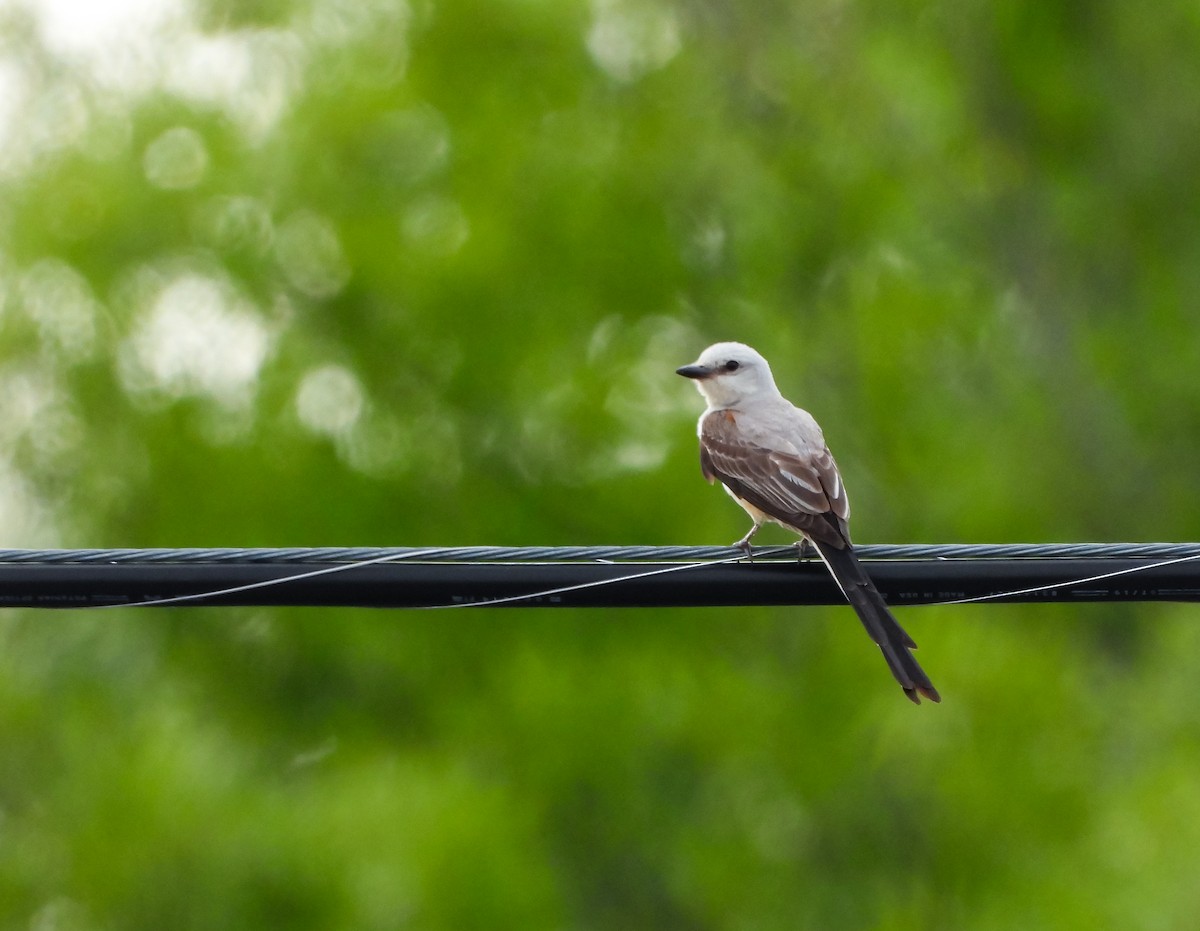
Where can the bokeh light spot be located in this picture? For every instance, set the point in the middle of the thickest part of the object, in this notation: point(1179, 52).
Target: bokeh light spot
point(311, 256)
point(198, 337)
point(60, 302)
point(176, 160)
point(405, 147)
point(25, 519)
point(629, 40)
point(238, 224)
point(436, 225)
point(330, 400)
point(252, 75)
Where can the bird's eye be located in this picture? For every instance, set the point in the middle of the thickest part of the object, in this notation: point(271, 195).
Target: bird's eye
point(732, 365)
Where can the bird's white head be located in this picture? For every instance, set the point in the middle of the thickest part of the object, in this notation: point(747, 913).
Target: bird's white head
point(729, 373)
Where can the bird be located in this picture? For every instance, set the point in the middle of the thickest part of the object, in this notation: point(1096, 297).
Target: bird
point(771, 457)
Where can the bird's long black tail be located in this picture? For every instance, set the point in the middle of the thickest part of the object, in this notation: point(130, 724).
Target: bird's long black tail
point(883, 628)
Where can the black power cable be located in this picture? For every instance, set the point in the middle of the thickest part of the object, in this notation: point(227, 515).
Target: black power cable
point(591, 576)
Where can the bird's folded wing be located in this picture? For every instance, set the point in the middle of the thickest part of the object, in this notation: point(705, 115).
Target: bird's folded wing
point(803, 491)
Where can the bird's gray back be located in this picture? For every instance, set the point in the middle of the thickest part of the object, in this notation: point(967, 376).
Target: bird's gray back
point(778, 424)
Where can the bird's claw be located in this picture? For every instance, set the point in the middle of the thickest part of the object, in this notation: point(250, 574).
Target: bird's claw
point(805, 550)
point(744, 543)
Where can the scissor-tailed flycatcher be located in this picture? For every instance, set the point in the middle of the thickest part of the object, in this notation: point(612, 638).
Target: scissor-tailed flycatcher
point(772, 459)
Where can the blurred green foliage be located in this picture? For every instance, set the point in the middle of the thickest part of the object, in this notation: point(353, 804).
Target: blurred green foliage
point(359, 272)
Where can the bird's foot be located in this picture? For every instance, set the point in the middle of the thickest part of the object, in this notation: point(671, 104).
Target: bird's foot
point(744, 543)
point(805, 550)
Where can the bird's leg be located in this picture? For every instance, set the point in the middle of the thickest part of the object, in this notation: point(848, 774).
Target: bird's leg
point(805, 549)
point(744, 543)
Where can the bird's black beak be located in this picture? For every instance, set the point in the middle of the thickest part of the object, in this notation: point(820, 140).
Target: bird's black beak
point(694, 371)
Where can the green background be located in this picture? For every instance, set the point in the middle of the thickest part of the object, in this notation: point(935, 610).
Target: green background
point(361, 273)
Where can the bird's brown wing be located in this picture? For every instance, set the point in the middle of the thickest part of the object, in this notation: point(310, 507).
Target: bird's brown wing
point(803, 492)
